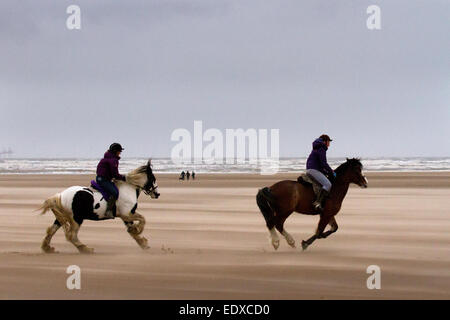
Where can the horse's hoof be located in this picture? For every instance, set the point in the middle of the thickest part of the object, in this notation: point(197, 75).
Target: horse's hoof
point(49, 249)
point(132, 230)
point(143, 243)
point(85, 250)
point(290, 241)
point(304, 245)
point(276, 244)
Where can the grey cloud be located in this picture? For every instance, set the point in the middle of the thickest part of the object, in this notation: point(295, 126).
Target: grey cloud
point(139, 69)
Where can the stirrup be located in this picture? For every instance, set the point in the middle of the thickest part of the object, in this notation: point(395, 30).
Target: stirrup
point(317, 206)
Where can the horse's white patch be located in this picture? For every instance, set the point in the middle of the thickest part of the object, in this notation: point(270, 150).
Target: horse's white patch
point(273, 232)
point(127, 199)
point(290, 240)
point(67, 197)
point(99, 204)
point(275, 240)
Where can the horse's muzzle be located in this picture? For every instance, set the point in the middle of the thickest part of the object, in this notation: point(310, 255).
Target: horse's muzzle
point(364, 182)
point(155, 195)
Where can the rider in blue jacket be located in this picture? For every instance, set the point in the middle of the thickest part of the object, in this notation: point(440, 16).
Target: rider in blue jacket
point(317, 167)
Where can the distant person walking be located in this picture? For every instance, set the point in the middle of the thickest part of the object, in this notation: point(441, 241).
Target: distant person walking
point(182, 175)
point(188, 175)
point(193, 175)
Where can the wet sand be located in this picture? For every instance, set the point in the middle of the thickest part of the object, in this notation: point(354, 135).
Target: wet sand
point(209, 241)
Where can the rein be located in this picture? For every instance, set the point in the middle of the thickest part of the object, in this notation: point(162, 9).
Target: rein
point(148, 190)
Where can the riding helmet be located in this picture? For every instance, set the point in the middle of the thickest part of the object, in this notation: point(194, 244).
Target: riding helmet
point(116, 147)
point(325, 137)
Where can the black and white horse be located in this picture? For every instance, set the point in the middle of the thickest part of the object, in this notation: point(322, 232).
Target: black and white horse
point(75, 204)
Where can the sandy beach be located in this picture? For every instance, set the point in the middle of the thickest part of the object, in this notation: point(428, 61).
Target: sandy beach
point(209, 241)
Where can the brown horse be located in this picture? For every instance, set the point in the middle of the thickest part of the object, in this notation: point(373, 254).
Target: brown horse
point(281, 199)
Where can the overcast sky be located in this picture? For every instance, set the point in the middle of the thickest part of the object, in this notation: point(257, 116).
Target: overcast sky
point(137, 70)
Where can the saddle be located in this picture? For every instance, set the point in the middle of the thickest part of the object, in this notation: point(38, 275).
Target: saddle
point(308, 180)
point(104, 193)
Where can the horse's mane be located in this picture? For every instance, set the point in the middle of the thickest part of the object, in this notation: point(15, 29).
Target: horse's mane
point(138, 170)
point(347, 164)
point(135, 175)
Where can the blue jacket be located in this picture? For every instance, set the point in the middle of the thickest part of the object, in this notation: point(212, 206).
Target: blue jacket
point(318, 157)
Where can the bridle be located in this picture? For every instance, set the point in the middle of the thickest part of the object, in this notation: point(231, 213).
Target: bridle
point(149, 187)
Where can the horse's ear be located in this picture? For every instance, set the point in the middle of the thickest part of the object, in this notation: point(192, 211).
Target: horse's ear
point(347, 159)
point(149, 163)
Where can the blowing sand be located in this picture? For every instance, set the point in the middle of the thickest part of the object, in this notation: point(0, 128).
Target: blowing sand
point(209, 241)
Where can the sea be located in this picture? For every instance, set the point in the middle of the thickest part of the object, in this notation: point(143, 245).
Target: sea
point(166, 165)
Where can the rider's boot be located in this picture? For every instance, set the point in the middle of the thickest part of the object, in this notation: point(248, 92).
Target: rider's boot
point(109, 214)
point(318, 204)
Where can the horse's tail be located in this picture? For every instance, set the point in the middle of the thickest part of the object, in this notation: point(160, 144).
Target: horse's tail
point(49, 204)
point(265, 200)
point(54, 203)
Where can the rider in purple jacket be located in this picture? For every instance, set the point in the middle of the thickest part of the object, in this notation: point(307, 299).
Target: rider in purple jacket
point(317, 167)
point(108, 169)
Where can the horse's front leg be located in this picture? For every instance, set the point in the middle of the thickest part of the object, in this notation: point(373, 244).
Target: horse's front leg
point(334, 227)
point(134, 230)
point(324, 219)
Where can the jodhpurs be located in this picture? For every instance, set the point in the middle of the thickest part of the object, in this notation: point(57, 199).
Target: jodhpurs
point(320, 178)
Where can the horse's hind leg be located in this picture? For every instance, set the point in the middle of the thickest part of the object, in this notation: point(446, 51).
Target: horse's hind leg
point(280, 227)
point(72, 236)
point(134, 230)
point(289, 239)
point(269, 217)
point(45, 246)
point(274, 239)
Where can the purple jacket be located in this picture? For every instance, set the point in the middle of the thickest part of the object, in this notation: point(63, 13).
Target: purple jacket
point(318, 157)
point(108, 167)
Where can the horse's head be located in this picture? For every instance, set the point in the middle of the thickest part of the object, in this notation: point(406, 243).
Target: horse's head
point(150, 187)
point(351, 171)
point(144, 178)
